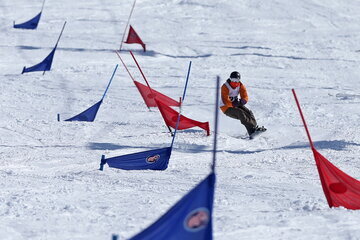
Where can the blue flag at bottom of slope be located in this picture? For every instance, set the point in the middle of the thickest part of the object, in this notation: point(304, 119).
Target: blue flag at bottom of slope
point(157, 159)
point(88, 115)
point(45, 65)
point(30, 24)
point(190, 218)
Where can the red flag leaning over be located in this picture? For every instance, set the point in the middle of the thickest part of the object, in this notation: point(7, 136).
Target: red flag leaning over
point(133, 37)
point(340, 189)
point(150, 94)
point(170, 117)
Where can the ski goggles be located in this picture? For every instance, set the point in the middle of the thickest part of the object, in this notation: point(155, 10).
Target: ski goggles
point(235, 79)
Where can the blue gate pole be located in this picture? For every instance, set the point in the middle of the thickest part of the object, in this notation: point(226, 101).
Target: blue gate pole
point(110, 81)
point(186, 83)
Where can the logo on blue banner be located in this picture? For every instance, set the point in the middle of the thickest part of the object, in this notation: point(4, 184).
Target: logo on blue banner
point(197, 220)
point(153, 159)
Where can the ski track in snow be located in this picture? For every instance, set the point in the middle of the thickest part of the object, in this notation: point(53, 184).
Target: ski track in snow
point(267, 188)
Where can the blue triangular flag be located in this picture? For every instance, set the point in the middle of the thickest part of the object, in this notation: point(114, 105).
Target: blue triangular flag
point(31, 24)
point(45, 65)
point(190, 218)
point(88, 115)
point(157, 159)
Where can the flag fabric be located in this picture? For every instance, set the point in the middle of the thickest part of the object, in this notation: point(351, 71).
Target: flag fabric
point(133, 37)
point(88, 115)
point(43, 66)
point(127, 24)
point(170, 116)
point(31, 24)
point(190, 218)
point(157, 159)
point(149, 95)
point(341, 190)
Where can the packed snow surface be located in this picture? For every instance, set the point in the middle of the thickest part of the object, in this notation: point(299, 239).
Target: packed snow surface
point(267, 188)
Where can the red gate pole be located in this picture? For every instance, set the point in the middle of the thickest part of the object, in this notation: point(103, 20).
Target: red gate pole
point(303, 120)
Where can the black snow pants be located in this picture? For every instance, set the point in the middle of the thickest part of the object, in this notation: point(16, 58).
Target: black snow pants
point(245, 116)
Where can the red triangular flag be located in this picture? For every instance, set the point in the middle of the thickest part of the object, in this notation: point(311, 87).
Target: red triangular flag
point(149, 96)
point(340, 189)
point(170, 117)
point(133, 37)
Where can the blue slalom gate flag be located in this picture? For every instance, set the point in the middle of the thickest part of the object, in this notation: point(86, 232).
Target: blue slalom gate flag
point(32, 23)
point(190, 218)
point(89, 114)
point(44, 65)
point(157, 159)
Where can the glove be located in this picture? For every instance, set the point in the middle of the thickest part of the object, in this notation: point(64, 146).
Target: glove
point(243, 101)
point(236, 103)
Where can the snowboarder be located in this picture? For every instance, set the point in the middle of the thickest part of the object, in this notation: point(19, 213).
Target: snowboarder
point(234, 107)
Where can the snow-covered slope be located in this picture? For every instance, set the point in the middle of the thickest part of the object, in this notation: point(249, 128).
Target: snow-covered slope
point(267, 188)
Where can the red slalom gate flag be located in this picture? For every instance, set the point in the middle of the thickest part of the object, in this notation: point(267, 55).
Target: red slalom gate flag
point(149, 95)
point(133, 37)
point(341, 190)
point(170, 117)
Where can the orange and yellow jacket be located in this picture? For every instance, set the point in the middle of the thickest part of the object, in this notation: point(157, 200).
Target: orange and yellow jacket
point(227, 91)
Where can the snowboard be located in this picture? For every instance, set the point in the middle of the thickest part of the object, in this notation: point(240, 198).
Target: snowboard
point(257, 133)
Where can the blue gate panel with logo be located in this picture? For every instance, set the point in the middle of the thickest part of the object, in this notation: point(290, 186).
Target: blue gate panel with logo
point(190, 218)
point(157, 159)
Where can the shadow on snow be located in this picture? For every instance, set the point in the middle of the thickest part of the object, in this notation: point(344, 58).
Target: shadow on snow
point(336, 145)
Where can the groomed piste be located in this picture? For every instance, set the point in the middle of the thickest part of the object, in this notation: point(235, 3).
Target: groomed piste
point(132, 88)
